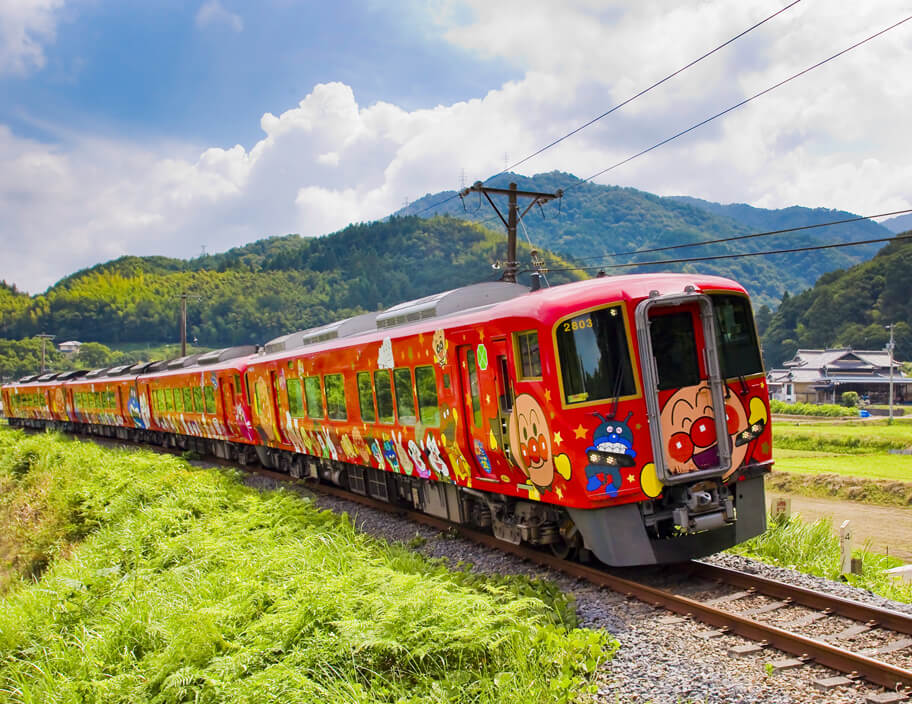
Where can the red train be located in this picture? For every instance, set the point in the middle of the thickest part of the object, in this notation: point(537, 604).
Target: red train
point(584, 417)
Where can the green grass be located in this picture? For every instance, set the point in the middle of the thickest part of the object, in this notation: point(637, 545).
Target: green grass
point(814, 548)
point(142, 578)
point(855, 438)
point(883, 466)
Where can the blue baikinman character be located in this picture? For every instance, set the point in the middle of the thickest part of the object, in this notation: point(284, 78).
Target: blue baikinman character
point(612, 448)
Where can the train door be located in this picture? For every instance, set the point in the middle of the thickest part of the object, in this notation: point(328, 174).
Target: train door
point(503, 384)
point(226, 384)
point(481, 415)
point(683, 387)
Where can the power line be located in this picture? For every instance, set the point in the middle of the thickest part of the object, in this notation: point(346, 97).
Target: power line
point(736, 256)
point(737, 105)
point(620, 105)
point(745, 237)
point(644, 91)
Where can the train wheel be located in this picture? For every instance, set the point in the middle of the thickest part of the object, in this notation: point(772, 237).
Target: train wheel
point(566, 548)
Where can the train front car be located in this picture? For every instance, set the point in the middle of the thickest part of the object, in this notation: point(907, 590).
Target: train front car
point(648, 373)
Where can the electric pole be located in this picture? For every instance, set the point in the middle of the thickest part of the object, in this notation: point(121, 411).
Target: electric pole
point(44, 337)
point(890, 346)
point(513, 216)
point(183, 322)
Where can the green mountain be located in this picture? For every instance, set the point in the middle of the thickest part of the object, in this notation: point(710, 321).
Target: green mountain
point(848, 308)
point(902, 223)
point(265, 289)
point(592, 221)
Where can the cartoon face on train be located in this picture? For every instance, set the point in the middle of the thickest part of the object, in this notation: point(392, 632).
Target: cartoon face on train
point(530, 439)
point(689, 430)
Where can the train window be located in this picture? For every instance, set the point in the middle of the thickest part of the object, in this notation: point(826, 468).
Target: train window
point(313, 396)
point(736, 336)
point(426, 384)
point(528, 358)
point(188, 399)
point(675, 350)
point(178, 400)
point(237, 384)
point(334, 385)
point(295, 397)
point(209, 396)
point(405, 398)
point(384, 387)
point(366, 398)
point(594, 357)
point(198, 399)
point(473, 387)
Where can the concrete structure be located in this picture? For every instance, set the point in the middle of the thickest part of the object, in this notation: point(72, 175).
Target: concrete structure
point(821, 376)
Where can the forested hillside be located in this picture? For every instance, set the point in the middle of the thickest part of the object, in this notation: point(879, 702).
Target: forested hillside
point(848, 308)
point(592, 220)
point(268, 288)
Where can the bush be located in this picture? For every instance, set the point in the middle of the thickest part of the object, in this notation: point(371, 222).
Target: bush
point(811, 409)
point(850, 399)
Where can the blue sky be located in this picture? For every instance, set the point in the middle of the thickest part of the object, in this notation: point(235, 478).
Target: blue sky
point(162, 127)
point(157, 71)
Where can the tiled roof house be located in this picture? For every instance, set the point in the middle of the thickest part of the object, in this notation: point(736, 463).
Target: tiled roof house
point(820, 376)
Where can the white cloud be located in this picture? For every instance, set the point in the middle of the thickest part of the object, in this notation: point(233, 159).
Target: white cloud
point(212, 14)
point(25, 27)
point(834, 138)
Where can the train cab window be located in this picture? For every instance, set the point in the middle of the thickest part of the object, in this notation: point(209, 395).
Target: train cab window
point(197, 399)
point(313, 396)
point(675, 349)
point(366, 398)
point(334, 385)
point(594, 356)
point(209, 398)
point(295, 397)
point(736, 336)
point(528, 357)
point(426, 385)
point(383, 385)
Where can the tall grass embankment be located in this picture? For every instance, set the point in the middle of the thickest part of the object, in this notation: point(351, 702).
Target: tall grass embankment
point(814, 548)
point(135, 577)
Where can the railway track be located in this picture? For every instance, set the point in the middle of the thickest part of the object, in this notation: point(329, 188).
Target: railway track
point(717, 612)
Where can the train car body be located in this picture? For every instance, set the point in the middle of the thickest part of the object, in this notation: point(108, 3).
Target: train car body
point(584, 417)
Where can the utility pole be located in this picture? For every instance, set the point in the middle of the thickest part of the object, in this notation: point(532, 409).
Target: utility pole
point(44, 338)
point(513, 216)
point(183, 323)
point(890, 346)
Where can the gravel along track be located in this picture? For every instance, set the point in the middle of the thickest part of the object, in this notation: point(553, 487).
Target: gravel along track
point(661, 659)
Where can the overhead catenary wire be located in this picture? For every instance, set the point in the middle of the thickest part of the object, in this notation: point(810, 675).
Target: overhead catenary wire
point(768, 233)
point(738, 105)
point(629, 100)
point(664, 262)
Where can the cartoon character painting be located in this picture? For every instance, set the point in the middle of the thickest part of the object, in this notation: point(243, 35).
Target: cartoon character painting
point(530, 443)
point(689, 428)
point(434, 457)
point(418, 460)
point(377, 452)
point(612, 448)
point(440, 349)
point(134, 409)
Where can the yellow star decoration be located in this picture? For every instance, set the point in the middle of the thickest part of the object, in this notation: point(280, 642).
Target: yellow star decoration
point(762, 384)
point(559, 491)
point(580, 431)
point(629, 477)
point(420, 338)
point(558, 439)
point(487, 399)
point(548, 395)
point(481, 334)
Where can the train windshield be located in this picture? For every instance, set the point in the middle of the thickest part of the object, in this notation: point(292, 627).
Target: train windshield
point(739, 353)
point(595, 357)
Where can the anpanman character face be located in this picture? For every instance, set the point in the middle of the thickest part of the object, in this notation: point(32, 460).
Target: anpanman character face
point(531, 441)
point(689, 429)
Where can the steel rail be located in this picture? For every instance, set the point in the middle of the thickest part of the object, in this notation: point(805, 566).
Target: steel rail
point(806, 649)
point(838, 606)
